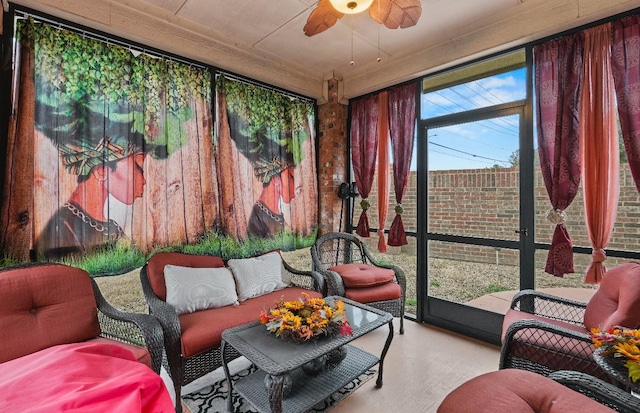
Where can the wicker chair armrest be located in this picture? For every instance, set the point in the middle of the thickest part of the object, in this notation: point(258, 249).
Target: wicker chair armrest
point(311, 280)
point(317, 275)
point(166, 315)
point(543, 336)
point(598, 390)
point(335, 286)
point(549, 306)
point(135, 328)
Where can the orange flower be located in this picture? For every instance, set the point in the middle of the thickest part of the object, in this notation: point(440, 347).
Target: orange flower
point(620, 342)
point(632, 352)
point(264, 318)
point(305, 318)
point(294, 305)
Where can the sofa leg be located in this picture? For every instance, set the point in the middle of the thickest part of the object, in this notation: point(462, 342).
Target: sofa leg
point(176, 373)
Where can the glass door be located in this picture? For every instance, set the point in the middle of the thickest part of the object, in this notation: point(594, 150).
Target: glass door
point(475, 232)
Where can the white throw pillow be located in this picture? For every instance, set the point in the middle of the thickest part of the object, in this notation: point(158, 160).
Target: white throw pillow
point(192, 289)
point(257, 276)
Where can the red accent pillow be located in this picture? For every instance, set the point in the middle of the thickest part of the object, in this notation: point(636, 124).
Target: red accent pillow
point(362, 275)
point(617, 301)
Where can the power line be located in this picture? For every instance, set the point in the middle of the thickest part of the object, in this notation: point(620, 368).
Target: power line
point(477, 141)
point(468, 153)
point(483, 96)
point(502, 121)
point(439, 93)
point(487, 90)
point(509, 132)
point(461, 157)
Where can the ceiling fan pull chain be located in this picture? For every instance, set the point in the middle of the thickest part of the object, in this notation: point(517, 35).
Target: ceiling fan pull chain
point(352, 61)
point(378, 59)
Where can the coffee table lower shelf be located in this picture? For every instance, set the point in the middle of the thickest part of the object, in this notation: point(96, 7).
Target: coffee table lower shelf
point(307, 391)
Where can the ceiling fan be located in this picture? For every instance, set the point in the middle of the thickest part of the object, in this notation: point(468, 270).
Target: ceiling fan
point(393, 14)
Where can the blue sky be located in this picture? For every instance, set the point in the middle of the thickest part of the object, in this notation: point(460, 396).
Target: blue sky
point(478, 144)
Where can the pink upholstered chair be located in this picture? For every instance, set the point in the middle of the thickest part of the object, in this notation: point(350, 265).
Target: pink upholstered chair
point(350, 271)
point(544, 333)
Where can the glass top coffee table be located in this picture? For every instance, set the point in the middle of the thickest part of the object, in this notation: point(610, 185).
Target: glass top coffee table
point(282, 361)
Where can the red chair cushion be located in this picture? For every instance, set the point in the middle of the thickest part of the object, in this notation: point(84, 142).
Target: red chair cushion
point(202, 330)
point(511, 390)
point(357, 275)
point(555, 351)
point(514, 315)
point(617, 300)
point(384, 292)
point(44, 306)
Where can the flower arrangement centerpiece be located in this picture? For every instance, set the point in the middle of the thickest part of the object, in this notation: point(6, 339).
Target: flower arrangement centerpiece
point(621, 346)
point(306, 319)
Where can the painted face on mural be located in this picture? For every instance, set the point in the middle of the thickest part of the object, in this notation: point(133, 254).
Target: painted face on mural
point(287, 189)
point(126, 180)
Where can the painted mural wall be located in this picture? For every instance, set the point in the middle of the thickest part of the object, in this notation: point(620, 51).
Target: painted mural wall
point(111, 147)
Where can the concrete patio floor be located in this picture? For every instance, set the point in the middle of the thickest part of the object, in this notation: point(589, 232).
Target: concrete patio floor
point(499, 302)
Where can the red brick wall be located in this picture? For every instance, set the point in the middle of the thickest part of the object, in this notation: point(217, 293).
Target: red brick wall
point(333, 161)
point(485, 203)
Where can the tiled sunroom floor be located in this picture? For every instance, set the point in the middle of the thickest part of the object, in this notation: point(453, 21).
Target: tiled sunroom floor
point(426, 363)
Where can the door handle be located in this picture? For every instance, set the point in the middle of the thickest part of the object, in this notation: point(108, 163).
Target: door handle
point(522, 231)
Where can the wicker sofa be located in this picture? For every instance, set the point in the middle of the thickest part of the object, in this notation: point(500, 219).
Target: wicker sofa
point(192, 339)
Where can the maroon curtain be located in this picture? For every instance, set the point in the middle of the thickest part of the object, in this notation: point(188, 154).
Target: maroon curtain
point(364, 145)
point(402, 121)
point(558, 66)
point(625, 65)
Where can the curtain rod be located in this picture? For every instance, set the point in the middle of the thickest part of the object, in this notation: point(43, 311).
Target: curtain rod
point(103, 38)
point(265, 86)
point(106, 38)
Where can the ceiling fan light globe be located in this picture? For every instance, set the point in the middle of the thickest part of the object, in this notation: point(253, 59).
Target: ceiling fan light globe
point(351, 6)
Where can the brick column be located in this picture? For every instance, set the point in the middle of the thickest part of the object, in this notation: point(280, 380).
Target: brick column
point(333, 159)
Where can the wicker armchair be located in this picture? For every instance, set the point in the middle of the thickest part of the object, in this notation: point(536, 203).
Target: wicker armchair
point(598, 390)
point(182, 368)
point(332, 251)
point(66, 306)
point(134, 328)
point(544, 333)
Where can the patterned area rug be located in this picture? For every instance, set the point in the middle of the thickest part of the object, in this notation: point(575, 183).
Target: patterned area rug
point(212, 399)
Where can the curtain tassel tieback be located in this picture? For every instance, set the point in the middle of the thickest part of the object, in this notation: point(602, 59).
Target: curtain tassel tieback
point(365, 204)
point(598, 255)
point(556, 216)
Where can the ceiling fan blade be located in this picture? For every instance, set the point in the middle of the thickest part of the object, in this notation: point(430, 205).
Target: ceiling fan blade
point(396, 13)
point(320, 19)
